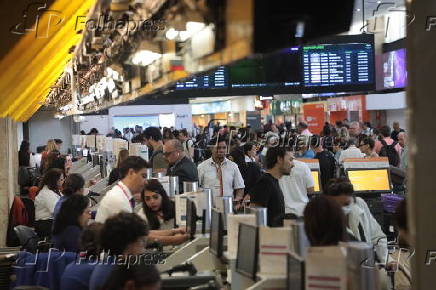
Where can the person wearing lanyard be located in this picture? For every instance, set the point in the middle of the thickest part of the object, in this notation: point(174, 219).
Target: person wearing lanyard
point(133, 173)
point(220, 174)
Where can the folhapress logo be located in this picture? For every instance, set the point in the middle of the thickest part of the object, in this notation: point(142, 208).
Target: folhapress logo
point(430, 258)
point(39, 20)
point(430, 24)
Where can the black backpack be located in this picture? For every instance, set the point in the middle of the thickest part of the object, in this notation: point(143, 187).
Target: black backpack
point(390, 152)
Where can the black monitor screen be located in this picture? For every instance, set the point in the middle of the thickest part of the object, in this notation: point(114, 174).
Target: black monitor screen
point(248, 248)
point(218, 79)
point(216, 234)
point(191, 218)
point(281, 69)
point(295, 275)
point(335, 65)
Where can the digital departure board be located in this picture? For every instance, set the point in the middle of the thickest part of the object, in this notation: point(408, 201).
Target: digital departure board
point(338, 64)
point(217, 80)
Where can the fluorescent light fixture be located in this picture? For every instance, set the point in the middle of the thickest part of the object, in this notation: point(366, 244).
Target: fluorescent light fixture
point(111, 85)
point(191, 29)
point(184, 35)
point(194, 27)
point(171, 34)
point(145, 57)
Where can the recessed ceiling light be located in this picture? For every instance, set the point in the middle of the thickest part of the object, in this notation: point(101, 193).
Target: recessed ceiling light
point(358, 9)
point(378, 2)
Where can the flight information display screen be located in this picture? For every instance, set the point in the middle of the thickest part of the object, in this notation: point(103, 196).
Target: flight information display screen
point(338, 65)
point(216, 80)
point(335, 65)
point(281, 69)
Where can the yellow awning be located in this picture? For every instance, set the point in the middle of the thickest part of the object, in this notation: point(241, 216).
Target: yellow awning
point(29, 70)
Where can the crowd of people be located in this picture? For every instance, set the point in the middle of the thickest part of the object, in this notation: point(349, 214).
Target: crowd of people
point(255, 167)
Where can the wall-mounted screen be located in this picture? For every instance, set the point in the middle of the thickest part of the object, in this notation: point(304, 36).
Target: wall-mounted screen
point(394, 69)
point(334, 65)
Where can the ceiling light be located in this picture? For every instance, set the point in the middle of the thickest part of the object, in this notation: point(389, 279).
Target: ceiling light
point(191, 29)
point(145, 57)
point(358, 9)
point(171, 34)
point(379, 2)
point(184, 35)
point(194, 27)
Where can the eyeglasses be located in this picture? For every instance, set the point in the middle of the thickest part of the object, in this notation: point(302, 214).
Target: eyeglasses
point(155, 197)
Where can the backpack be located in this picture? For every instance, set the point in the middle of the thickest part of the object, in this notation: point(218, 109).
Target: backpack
point(390, 152)
point(17, 216)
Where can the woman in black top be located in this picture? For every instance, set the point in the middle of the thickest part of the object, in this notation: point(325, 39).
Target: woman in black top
point(72, 218)
point(115, 173)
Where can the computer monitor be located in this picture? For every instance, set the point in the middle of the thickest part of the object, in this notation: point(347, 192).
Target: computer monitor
point(295, 274)
point(248, 249)
point(191, 218)
point(373, 180)
point(216, 234)
point(316, 179)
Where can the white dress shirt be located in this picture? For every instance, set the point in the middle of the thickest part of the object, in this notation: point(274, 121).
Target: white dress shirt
point(294, 188)
point(208, 177)
point(351, 152)
point(249, 159)
point(115, 201)
point(45, 203)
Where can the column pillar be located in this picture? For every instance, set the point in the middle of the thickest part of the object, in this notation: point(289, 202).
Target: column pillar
point(421, 103)
point(8, 172)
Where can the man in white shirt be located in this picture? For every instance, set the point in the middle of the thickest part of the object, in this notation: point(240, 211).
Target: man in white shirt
point(220, 174)
point(351, 152)
point(133, 172)
point(295, 188)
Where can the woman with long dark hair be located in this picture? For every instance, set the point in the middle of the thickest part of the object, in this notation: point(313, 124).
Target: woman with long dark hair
point(158, 209)
point(324, 222)
point(73, 216)
point(59, 162)
point(46, 199)
point(74, 184)
point(159, 212)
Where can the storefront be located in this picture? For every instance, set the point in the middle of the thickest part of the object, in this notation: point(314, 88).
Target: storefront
point(286, 110)
point(384, 109)
point(232, 112)
point(352, 108)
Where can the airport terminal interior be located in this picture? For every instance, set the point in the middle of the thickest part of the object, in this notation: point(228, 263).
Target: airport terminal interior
point(217, 144)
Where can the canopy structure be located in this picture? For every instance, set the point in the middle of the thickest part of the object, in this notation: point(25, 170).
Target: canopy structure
point(29, 70)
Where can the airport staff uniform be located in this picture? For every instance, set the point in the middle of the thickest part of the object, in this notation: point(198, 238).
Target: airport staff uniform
point(118, 199)
point(222, 179)
point(294, 188)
